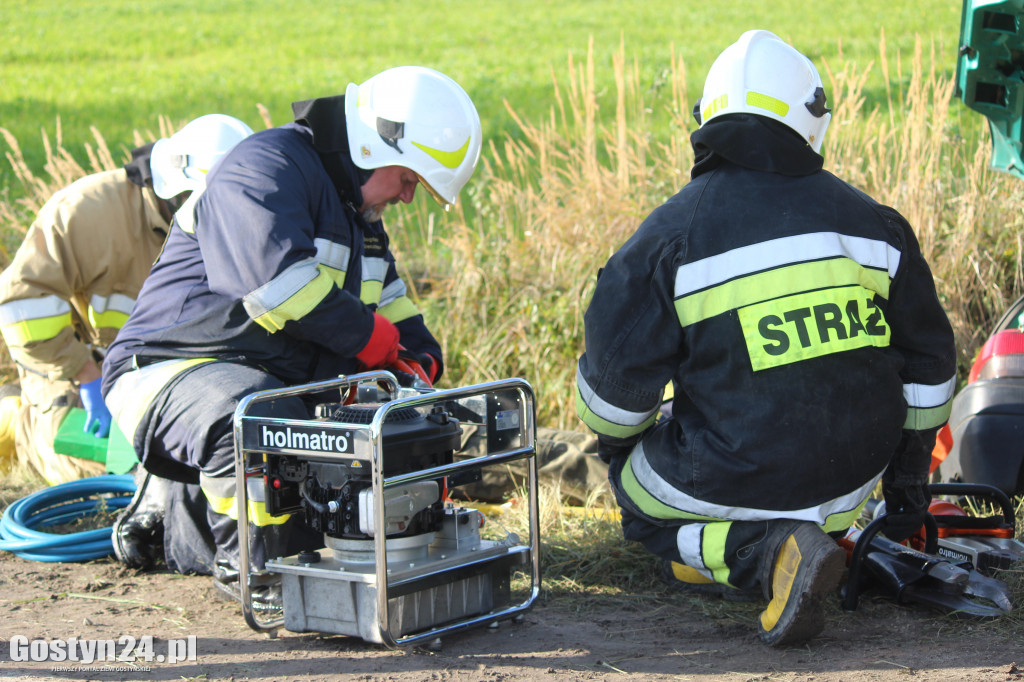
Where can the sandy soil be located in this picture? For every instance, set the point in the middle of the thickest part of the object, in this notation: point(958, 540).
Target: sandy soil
point(661, 635)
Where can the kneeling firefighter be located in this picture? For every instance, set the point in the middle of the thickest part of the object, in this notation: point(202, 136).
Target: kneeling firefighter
point(285, 277)
point(809, 354)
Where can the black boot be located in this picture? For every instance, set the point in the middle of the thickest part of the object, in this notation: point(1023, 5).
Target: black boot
point(138, 531)
point(264, 589)
point(800, 568)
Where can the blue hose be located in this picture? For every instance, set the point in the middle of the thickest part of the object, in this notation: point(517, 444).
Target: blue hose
point(61, 504)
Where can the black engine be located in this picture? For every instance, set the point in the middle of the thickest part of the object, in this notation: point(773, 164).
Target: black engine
point(328, 491)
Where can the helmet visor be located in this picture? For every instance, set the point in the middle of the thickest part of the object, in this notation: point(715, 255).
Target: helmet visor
point(445, 204)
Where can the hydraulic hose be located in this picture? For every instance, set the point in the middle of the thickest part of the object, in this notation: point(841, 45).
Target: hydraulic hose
point(61, 504)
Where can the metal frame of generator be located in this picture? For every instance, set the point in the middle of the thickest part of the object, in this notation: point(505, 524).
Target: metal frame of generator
point(394, 591)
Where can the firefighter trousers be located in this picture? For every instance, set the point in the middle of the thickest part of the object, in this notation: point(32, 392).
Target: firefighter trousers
point(191, 423)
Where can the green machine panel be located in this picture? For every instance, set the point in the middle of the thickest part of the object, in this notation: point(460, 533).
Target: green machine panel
point(990, 74)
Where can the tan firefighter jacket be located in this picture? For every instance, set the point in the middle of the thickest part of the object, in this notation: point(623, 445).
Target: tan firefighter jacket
point(74, 279)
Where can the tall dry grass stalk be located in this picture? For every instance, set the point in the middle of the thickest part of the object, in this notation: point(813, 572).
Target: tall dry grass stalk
point(60, 169)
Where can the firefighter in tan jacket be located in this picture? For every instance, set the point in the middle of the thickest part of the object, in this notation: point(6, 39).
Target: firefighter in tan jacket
point(74, 280)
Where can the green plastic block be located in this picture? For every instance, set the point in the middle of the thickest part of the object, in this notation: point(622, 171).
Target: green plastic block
point(989, 73)
point(121, 455)
point(115, 451)
point(71, 440)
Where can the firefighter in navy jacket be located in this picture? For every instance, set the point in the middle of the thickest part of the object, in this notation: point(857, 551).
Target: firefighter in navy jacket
point(799, 326)
point(284, 277)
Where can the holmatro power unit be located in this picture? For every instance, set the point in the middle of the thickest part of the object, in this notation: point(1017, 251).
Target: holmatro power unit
point(377, 471)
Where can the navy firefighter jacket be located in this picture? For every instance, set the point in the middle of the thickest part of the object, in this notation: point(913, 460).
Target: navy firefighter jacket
point(280, 271)
point(798, 324)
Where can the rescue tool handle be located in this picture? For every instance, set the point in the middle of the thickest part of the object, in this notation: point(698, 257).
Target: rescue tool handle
point(854, 584)
point(991, 492)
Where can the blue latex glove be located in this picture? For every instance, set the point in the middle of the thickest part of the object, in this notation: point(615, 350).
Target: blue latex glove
point(97, 416)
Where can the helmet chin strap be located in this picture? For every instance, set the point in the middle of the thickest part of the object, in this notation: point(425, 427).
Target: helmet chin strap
point(363, 175)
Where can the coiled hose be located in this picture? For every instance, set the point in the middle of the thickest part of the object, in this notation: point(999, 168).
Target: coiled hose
point(61, 504)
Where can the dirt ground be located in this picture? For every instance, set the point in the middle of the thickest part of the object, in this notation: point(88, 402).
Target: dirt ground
point(581, 636)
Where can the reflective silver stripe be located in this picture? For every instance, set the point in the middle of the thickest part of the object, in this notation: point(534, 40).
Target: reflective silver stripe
point(133, 392)
point(689, 540)
point(374, 269)
point(281, 288)
point(224, 486)
point(33, 309)
point(332, 254)
point(114, 303)
point(661, 490)
point(392, 292)
point(775, 253)
point(606, 410)
point(925, 395)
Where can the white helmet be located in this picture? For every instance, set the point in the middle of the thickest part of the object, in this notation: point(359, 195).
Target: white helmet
point(760, 74)
point(180, 162)
point(420, 119)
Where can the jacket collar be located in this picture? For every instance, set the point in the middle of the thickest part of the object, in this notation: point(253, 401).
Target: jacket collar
point(324, 117)
point(151, 205)
point(753, 142)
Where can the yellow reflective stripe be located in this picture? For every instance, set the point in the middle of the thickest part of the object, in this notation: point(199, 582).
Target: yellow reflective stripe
point(446, 159)
point(605, 427)
point(649, 504)
point(811, 325)
point(924, 418)
point(400, 309)
point(27, 320)
point(713, 546)
point(714, 106)
point(783, 577)
point(40, 329)
point(109, 311)
point(656, 497)
point(784, 281)
point(689, 574)
point(841, 521)
point(298, 305)
point(257, 511)
point(587, 399)
point(767, 102)
point(113, 319)
point(369, 291)
point(336, 276)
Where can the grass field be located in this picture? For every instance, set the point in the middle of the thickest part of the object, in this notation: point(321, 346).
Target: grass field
point(119, 65)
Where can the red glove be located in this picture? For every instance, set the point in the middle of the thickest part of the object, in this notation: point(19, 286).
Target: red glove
point(382, 348)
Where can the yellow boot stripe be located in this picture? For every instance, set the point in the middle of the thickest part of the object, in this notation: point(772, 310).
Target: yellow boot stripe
point(689, 574)
point(783, 577)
